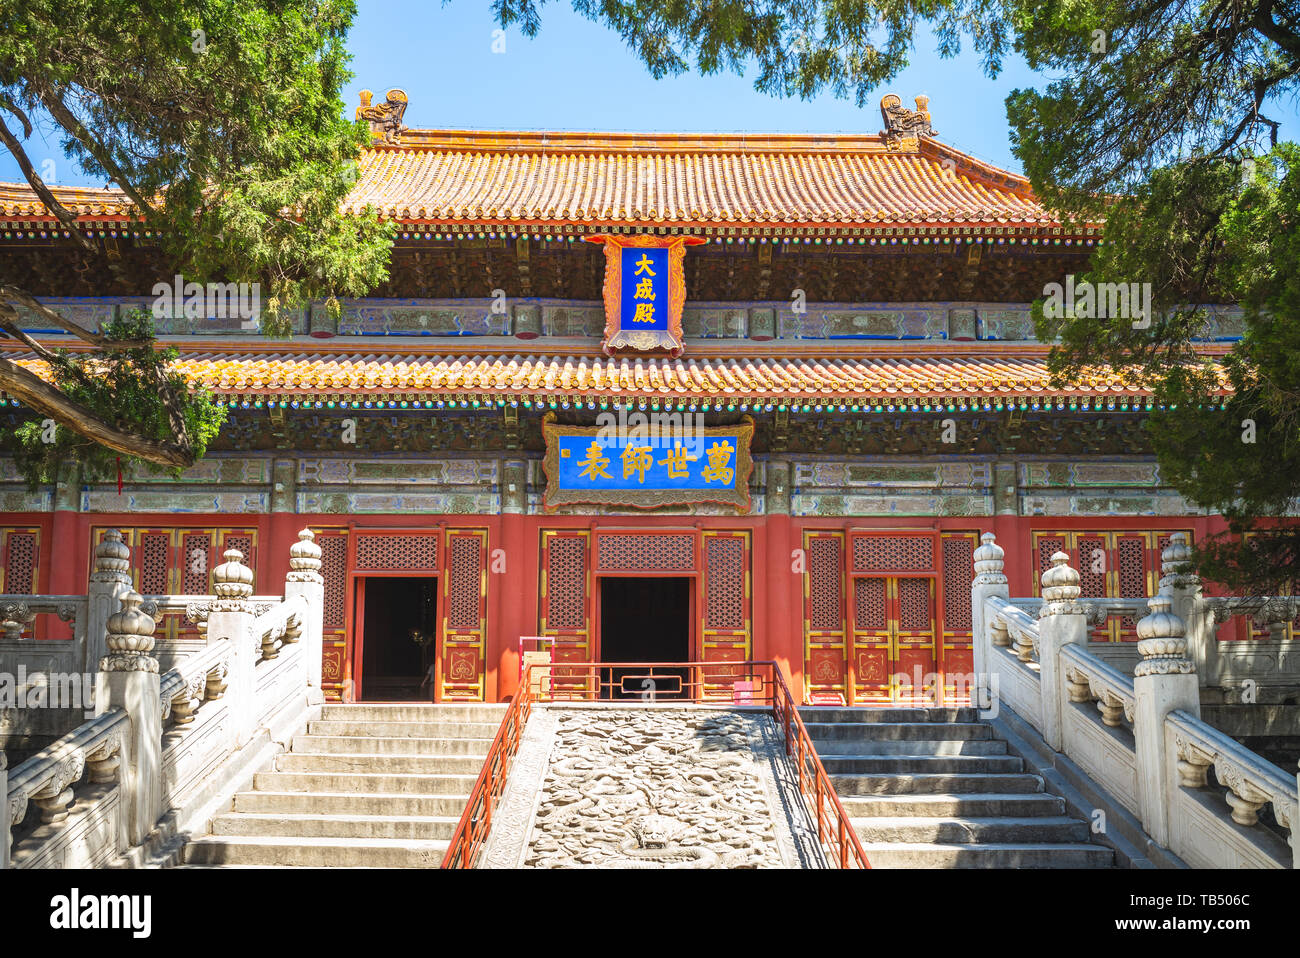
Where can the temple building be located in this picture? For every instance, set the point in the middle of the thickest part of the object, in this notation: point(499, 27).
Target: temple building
point(631, 397)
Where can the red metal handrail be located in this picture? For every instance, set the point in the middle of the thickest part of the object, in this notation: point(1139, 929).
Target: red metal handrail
point(705, 682)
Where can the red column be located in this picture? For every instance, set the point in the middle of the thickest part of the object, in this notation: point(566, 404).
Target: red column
point(782, 626)
point(69, 556)
point(273, 558)
point(512, 603)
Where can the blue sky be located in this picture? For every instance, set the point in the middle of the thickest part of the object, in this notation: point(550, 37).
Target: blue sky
point(577, 75)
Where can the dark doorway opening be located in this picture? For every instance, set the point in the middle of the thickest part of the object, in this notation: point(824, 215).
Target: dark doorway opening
point(645, 620)
point(398, 639)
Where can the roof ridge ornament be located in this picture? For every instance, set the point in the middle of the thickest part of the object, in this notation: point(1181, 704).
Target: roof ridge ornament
point(385, 118)
point(903, 127)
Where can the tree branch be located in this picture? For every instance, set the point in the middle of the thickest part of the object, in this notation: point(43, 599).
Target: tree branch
point(60, 212)
point(95, 339)
point(65, 117)
point(34, 392)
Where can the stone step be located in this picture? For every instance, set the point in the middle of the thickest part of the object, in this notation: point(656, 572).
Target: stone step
point(922, 764)
point(1019, 855)
point(829, 713)
point(355, 782)
point(991, 746)
point(968, 831)
point(344, 825)
point(452, 728)
point(315, 852)
point(344, 803)
point(896, 731)
point(414, 713)
point(380, 764)
point(360, 745)
point(945, 784)
point(994, 805)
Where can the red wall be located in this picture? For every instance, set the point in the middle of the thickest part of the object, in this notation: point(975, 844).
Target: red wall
point(513, 601)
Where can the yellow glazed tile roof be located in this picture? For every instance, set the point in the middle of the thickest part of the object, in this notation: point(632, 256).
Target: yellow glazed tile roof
point(597, 179)
point(600, 179)
point(309, 375)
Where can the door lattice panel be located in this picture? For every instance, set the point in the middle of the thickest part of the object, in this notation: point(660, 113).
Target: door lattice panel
point(463, 649)
point(380, 553)
point(914, 607)
point(153, 564)
point(645, 553)
point(1110, 564)
point(726, 633)
point(869, 600)
point(958, 576)
point(725, 582)
point(893, 553)
point(334, 645)
point(20, 562)
point(824, 635)
point(824, 583)
point(956, 648)
point(566, 594)
point(566, 603)
point(194, 562)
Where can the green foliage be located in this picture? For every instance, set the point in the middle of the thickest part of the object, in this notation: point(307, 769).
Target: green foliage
point(225, 117)
point(223, 122)
point(799, 47)
point(129, 388)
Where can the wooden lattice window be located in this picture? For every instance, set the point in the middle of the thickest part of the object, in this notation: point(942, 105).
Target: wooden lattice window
point(20, 561)
point(334, 570)
point(824, 596)
point(869, 609)
point(893, 553)
point(397, 552)
point(645, 553)
point(725, 583)
point(958, 575)
point(153, 561)
point(914, 611)
point(566, 586)
point(466, 578)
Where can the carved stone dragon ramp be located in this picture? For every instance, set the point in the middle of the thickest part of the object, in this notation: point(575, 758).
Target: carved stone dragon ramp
point(659, 787)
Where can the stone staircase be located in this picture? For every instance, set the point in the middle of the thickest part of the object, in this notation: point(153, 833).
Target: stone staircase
point(378, 786)
point(936, 788)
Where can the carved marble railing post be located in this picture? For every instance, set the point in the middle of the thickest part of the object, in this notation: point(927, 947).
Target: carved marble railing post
point(128, 679)
point(1187, 601)
point(1062, 622)
point(231, 617)
point(109, 582)
point(1163, 681)
point(989, 582)
point(6, 834)
point(305, 580)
